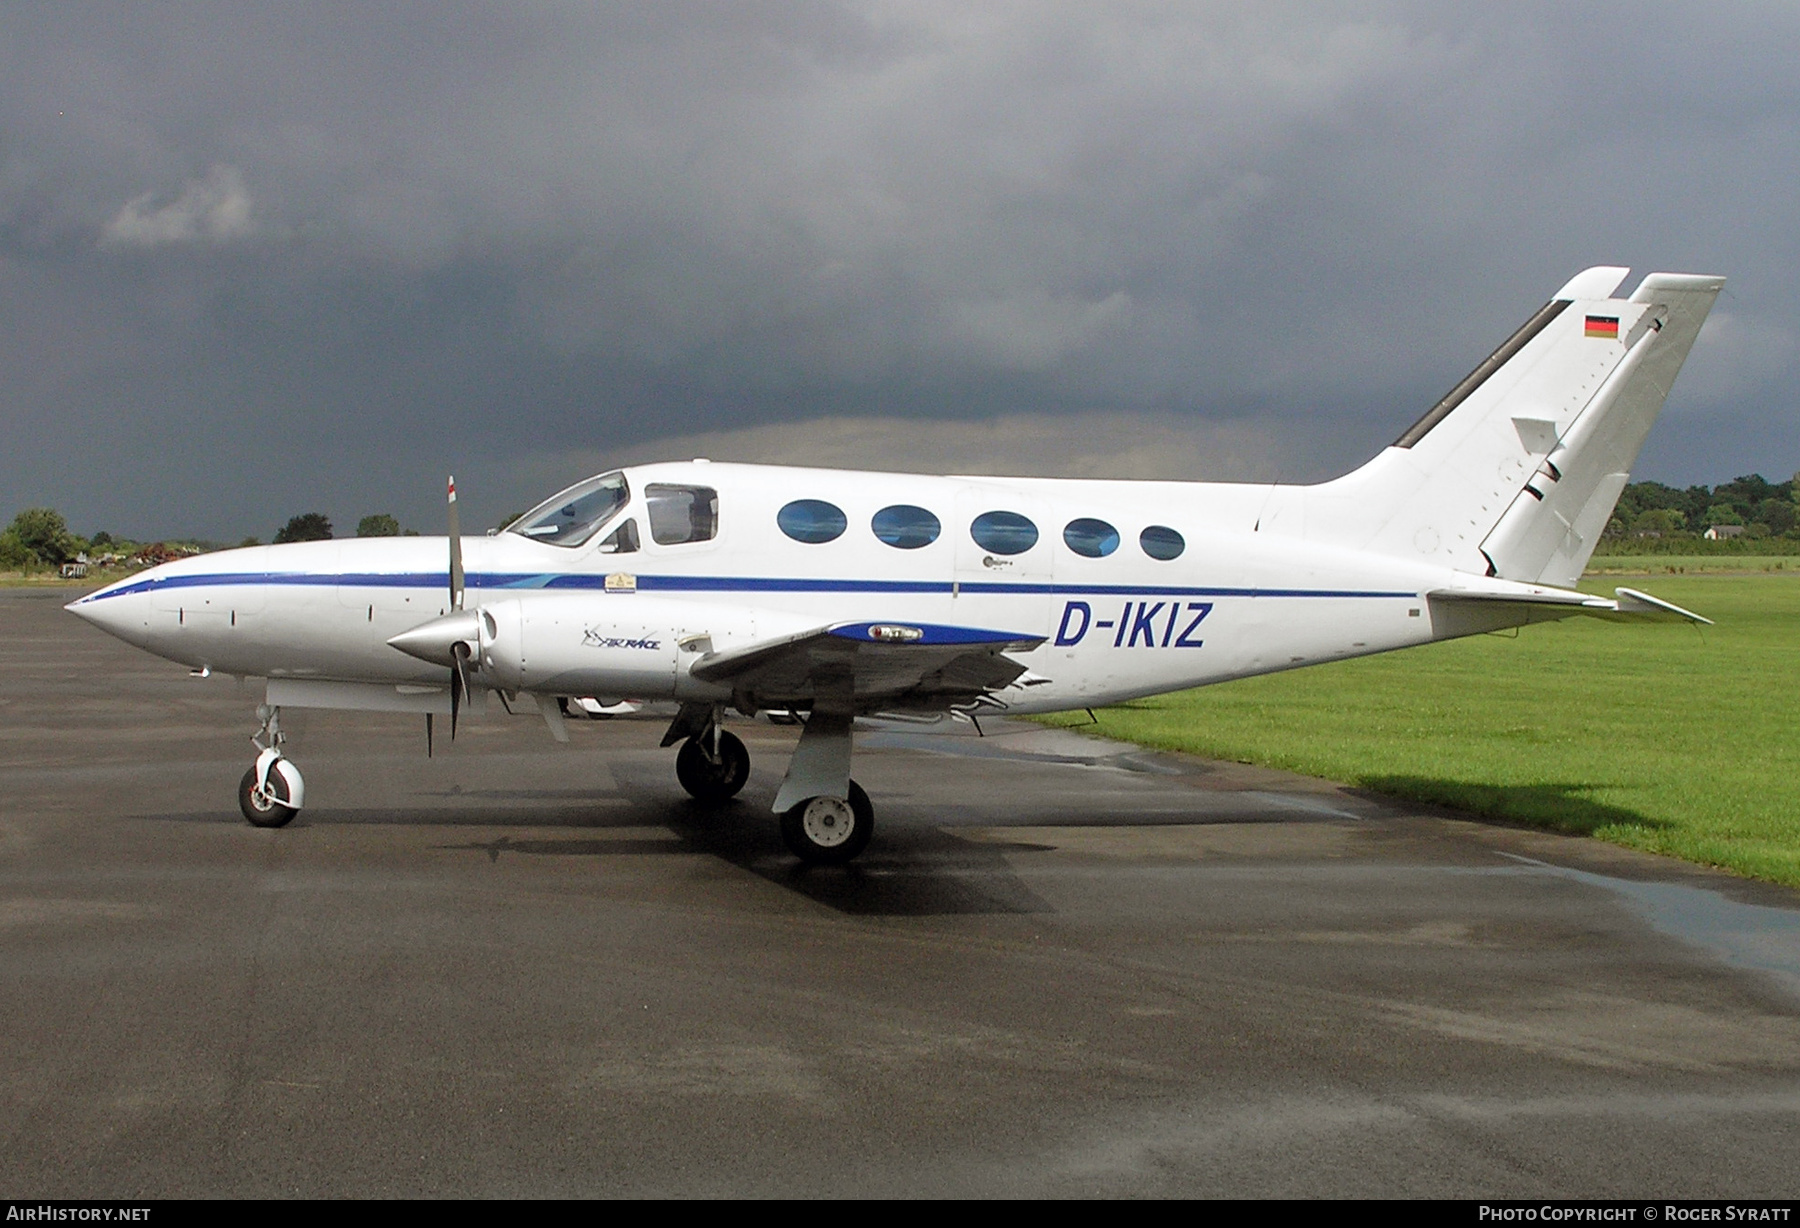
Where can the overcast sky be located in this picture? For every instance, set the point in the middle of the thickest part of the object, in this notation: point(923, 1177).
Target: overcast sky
point(258, 258)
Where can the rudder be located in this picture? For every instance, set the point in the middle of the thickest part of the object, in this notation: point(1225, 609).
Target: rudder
point(1516, 471)
point(1550, 530)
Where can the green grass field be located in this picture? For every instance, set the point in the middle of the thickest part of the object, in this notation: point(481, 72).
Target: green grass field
point(1663, 737)
point(1691, 564)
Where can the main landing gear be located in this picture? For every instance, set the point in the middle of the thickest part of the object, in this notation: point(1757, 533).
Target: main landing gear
point(828, 831)
point(272, 791)
point(712, 766)
point(826, 818)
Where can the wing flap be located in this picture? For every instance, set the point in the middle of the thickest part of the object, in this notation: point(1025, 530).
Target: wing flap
point(871, 660)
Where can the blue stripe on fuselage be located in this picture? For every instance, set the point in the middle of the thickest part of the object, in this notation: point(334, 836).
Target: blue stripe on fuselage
point(711, 584)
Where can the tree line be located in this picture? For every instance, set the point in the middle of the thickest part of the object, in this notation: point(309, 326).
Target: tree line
point(39, 537)
point(1763, 508)
point(316, 527)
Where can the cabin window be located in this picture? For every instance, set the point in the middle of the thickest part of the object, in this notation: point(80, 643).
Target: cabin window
point(812, 521)
point(905, 527)
point(1161, 542)
point(681, 514)
point(622, 540)
point(1094, 539)
point(1003, 532)
point(576, 514)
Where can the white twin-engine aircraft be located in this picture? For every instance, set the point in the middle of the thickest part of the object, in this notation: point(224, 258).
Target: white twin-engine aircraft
point(839, 594)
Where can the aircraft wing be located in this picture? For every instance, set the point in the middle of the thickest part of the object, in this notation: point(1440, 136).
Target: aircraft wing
point(900, 663)
point(1626, 605)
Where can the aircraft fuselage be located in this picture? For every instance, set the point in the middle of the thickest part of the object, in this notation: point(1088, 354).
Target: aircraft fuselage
point(1115, 621)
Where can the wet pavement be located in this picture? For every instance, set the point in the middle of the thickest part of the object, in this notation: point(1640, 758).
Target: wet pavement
point(1064, 967)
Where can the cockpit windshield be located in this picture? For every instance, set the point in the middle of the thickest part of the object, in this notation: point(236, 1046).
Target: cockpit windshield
point(576, 514)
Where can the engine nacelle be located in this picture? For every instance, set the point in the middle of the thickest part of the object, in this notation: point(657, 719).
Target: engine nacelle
point(614, 644)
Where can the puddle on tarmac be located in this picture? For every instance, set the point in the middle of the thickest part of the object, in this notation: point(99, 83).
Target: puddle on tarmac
point(1752, 936)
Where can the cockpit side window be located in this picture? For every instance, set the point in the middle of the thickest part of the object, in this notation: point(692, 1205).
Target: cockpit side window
point(622, 540)
point(681, 514)
point(576, 514)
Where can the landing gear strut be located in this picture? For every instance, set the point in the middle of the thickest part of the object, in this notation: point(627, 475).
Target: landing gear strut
point(272, 791)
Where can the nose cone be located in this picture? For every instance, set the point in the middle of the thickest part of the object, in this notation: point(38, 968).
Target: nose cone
point(83, 607)
point(118, 609)
point(433, 641)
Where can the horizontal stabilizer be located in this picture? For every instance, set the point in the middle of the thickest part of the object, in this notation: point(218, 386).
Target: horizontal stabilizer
point(1635, 605)
point(1536, 603)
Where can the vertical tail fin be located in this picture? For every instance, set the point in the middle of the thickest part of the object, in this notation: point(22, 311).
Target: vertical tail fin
point(1516, 472)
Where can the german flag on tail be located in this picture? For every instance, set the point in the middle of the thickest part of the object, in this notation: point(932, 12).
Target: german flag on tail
point(1603, 326)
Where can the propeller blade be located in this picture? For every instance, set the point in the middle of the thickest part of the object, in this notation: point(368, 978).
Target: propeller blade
point(459, 682)
point(456, 562)
point(428, 735)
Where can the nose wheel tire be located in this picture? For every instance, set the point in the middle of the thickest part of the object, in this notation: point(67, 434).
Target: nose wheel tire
point(266, 807)
point(709, 781)
point(829, 831)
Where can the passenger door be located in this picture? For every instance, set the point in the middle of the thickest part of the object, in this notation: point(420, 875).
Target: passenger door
point(1001, 582)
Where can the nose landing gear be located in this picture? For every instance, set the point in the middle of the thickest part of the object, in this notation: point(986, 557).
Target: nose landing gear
point(272, 791)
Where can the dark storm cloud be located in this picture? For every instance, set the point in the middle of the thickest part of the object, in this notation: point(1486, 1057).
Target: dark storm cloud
point(256, 259)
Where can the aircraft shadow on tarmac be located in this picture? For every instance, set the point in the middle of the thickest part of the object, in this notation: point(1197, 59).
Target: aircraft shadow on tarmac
point(1567, 807)
point(914, 869)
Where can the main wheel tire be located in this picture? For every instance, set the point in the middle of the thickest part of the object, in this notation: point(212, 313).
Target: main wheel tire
point(265, 809)
point(707, 781)
point(829, 831)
